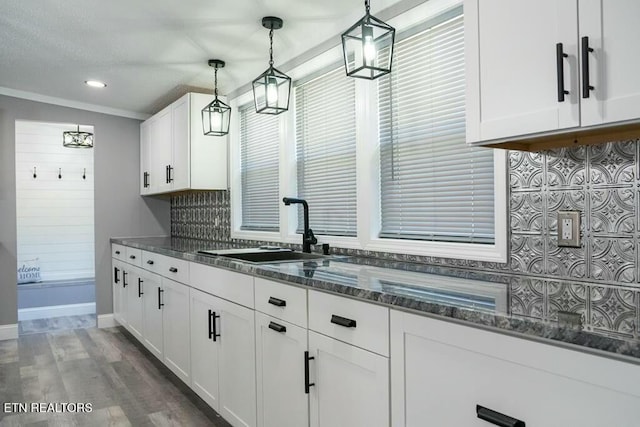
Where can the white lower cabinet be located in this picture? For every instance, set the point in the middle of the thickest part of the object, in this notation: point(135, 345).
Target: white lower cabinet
point(119, 296)
point(280, 370)
point(174, 300)
point(152, 336)
point(351, 385)
point(223, 357)
point(133, 293)
point(443, 374)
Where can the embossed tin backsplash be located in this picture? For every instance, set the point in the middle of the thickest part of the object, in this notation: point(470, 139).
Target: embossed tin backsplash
point(598, 280)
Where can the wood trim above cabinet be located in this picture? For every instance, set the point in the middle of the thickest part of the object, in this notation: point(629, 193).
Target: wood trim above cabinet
point(572, 138)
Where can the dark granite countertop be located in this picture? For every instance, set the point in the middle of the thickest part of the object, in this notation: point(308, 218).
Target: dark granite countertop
point(470, 297)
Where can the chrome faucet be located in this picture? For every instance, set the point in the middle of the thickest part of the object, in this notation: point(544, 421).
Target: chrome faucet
point(308, 238)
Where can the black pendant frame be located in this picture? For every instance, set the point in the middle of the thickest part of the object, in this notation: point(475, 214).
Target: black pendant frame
point(216, 116)
point(77, 139)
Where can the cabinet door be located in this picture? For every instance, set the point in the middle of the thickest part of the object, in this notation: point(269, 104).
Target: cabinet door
point(280, 348)
point(613, 33)
point(175, 322)
point(145, 158)
point(237, 364)
point(351, 385)
point(116, 282)
point(205, 357)
point(512, 80)
point(134, 294)
point(441, 371)
point(152, 314)
point(161, 146)
point(120, 293)
point(181, 144)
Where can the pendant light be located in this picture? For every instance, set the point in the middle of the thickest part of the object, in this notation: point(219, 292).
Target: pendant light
point(368, 47)
point(216, 116)
point(77, 139)
point(271, 89)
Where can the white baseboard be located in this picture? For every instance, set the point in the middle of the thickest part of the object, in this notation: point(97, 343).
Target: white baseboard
point(8, 332)
point(107, 321)
point(56, 311)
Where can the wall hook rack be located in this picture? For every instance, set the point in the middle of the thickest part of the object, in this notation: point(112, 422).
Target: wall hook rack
point(59, 173)
point(34, 173)
point(84, 173)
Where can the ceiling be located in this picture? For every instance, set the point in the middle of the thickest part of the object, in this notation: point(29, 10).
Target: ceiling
point(151, 52)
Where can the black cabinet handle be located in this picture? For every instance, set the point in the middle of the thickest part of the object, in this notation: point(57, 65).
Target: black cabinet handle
point(140, 293)
point(277, 327)
point(213, 328)
point(170, 179)
point(160, 303)
point(150, 262)
point(117, 252)
point(166, 174)
point(173, 269)
point(116, 270)
point(560, 55)
point(307, 384)
point(343, 321)
point(277, 302)
point(145, 180)
point(586, 87)
point(124, 279)
point(132, 257)
point(497, 418)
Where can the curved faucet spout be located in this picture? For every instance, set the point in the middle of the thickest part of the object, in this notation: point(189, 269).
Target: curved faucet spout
point(308, 238)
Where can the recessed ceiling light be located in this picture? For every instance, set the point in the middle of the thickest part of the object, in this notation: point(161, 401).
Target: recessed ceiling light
point(95, 83)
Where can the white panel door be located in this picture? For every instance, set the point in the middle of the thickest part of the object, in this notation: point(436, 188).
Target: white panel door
point(134, 294)
point(351, 385)
point(280, 364)
point(152, 314)
point(180, 172)
point(175, 322)
point(118, 294)
point(237, 364)
point(161, 149)
point(612, 31)
point(205, 347)
point(442, 371)
point(511, 56)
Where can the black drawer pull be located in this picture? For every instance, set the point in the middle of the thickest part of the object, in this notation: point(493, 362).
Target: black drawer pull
point(307, 384)
point(150, 262)
point(173, 270)
point(124, 279)
point(276, 327)
point(213, 334)
point(343, 321)
point(140, 293)
point(117, 252)
point(116, 270)
point(560, 55)
point(497, 418)
point(586, 86)
point(132, 256)
point(277, 302)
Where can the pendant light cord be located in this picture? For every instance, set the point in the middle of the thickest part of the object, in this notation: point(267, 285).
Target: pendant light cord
point(366, 6)
point(271, 47)
point(215, 82)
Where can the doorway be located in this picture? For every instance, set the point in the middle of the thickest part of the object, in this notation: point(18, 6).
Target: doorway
point(55, 227)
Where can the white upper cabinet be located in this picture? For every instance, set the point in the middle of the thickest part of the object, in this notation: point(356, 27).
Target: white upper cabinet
point(527, 69)
point(175, 155)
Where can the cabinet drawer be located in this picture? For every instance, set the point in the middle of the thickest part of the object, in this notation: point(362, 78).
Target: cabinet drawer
point(235, 287)
point(133, 256)
point(151, 261)
point(285, 302)
point(118, 252)
point(354, 322)
point(174, 268)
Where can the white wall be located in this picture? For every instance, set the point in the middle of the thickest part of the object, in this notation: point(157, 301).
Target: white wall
point(55, 218)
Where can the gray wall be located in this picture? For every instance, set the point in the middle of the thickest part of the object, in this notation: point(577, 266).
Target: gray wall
point(119, 209)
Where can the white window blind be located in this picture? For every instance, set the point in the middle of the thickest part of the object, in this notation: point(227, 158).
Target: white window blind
point(326, 152)
point(259, 156)
point(433, 186)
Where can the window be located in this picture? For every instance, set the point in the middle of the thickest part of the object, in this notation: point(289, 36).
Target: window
point(432, 185)
point(326, 152)
point(259, 156)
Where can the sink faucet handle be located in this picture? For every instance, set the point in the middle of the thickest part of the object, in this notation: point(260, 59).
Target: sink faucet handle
point(311, 237)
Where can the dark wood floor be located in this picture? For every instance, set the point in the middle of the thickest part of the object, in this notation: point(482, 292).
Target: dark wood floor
point(124, 383)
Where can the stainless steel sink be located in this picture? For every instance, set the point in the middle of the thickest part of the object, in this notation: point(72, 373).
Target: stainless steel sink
point(266, 257)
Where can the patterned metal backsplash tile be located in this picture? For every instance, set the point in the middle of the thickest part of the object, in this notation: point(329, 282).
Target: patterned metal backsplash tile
point(600, 181)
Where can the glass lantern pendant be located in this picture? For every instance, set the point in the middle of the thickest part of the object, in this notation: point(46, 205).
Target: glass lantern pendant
point(271, 89)
point(216, 116)
point(368, 47)
point(77, 139)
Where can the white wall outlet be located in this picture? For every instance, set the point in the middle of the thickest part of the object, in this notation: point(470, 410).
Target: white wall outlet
point(569, 229)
